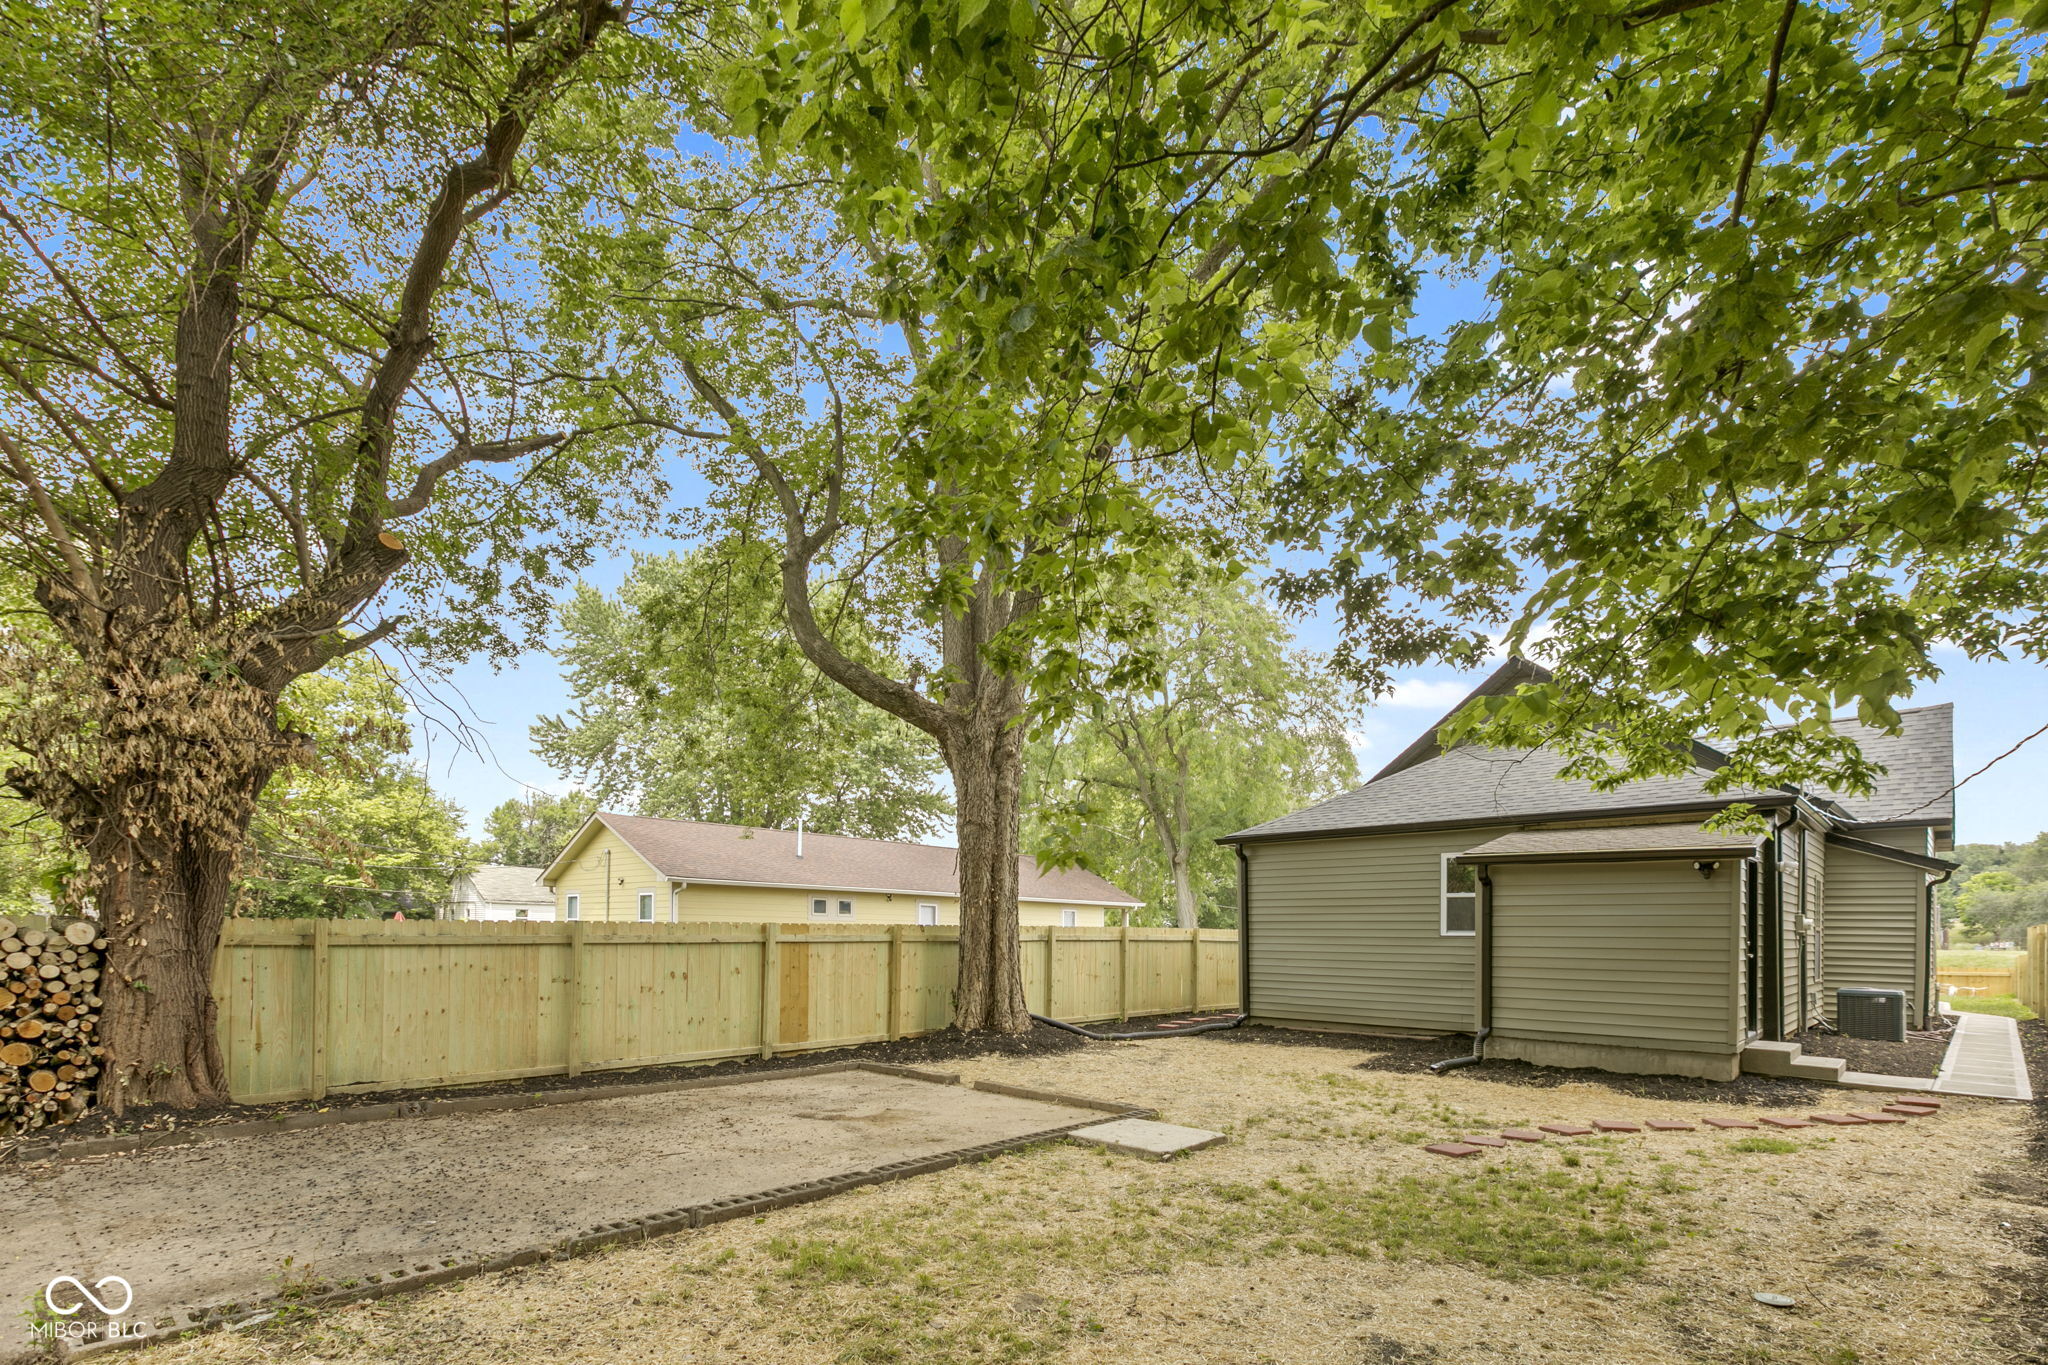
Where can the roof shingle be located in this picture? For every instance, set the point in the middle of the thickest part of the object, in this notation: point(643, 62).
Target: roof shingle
point(690, 850)
point(1475, 785)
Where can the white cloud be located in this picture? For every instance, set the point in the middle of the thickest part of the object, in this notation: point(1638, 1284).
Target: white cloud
point(1420, 692)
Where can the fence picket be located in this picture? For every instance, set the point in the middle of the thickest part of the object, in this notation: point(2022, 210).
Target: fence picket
point(418, 997)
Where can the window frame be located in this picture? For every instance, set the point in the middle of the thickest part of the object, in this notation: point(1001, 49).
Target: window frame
point(928, 907)
point(844, 908)
point(1443, 899)
point(643, 906)
point(821, 907)
point(1070, 918)
point(572, 905)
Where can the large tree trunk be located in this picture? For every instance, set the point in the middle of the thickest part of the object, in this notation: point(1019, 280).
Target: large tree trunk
point(987, 761)
point(1185, 912)
point(162, 904)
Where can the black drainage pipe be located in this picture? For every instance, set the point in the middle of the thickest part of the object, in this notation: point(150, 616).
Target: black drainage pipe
point(1211, 1026)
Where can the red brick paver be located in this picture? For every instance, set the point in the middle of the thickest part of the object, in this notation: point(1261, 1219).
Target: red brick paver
point(1453, 1149)
point(1840, 1120)
point(1730, 1123)
point(1522, 1134)
point(1483, 1140)
point(1778, 1121)
point(1670, 1126)
point(1617, 1126)
point(1565, 1129)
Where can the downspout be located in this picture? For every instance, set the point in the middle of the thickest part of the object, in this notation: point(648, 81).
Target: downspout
point(1244, 976)
point(1244, 934)
point(1773, 958)
point(1928, 942)
point(1483, 1014)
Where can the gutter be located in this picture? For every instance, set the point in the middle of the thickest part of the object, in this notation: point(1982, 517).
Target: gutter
point(1484, 1012)
point(1507, 818)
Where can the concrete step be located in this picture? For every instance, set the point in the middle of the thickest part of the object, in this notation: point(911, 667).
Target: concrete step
point(1770, 1059)
point(1827, 1069)
point(1787, 1059)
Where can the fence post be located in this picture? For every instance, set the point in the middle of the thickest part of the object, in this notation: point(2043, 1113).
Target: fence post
point(575, 993)
point(771, 987)
point(1123, 971)
point(1052, 966)
point(317, 1025)
point(1195, 970)
point(893, 1011)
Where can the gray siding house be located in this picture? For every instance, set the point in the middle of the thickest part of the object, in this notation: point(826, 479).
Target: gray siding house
point(1477, 890)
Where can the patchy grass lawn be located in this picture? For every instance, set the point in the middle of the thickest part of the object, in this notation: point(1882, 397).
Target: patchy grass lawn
point(2007, 1005)
point(1320, 1232)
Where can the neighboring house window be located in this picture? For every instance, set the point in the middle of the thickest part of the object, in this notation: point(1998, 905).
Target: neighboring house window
point(1460, 897)
point(646, 907)
point(519, 913)
point(927, 913)
point(846, 909)
point(573, 907)
point(820, 907)
point(1068, 918)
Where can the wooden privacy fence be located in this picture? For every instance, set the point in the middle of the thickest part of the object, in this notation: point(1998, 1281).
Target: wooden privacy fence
point(2030, 978)
point(309, 1008)
point(1979, 981)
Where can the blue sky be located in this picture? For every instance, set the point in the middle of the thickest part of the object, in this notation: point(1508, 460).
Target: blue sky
point(1997, 704)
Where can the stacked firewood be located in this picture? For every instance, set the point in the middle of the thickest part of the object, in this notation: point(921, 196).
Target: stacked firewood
point(49, 1021)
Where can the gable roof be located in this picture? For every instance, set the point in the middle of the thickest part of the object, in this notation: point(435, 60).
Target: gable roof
point(1425, 786)
point(694, 851)
point(500, 883)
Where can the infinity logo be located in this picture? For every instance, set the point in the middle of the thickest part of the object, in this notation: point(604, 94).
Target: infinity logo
point(87, 1295)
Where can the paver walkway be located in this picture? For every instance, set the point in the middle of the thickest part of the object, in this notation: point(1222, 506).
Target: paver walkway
point(1984, 1058)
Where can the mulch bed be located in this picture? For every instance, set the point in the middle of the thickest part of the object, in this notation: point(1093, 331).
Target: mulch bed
point(1917, 1056)
point(925, 1050)
point(1407, 1056)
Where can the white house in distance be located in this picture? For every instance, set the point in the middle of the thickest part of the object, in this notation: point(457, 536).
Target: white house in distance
point(630, 867)
point(498, 891)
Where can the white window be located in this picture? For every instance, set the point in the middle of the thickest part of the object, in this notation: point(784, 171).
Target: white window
point(1068, 918)
point(646, 907)
point(573, 906)
point(1460, 913)
point(519, 913)
point(846, 909)
point(927, 913)
point(820, 907)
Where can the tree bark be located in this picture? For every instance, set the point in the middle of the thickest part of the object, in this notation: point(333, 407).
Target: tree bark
point(987, 761)
point(165, 900)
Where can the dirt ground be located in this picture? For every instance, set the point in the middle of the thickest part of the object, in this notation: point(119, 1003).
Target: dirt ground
point(241, 1219)
point(1321, 1232)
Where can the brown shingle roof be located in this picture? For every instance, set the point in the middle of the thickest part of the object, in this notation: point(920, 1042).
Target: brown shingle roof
point(689, 850)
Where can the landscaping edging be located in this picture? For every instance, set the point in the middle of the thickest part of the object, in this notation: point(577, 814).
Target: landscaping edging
point(421, 1276)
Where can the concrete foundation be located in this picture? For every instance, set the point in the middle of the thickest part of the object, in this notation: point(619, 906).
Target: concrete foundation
point(1628, 1061)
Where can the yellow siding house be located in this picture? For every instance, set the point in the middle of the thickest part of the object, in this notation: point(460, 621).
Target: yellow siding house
point(630, 867)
